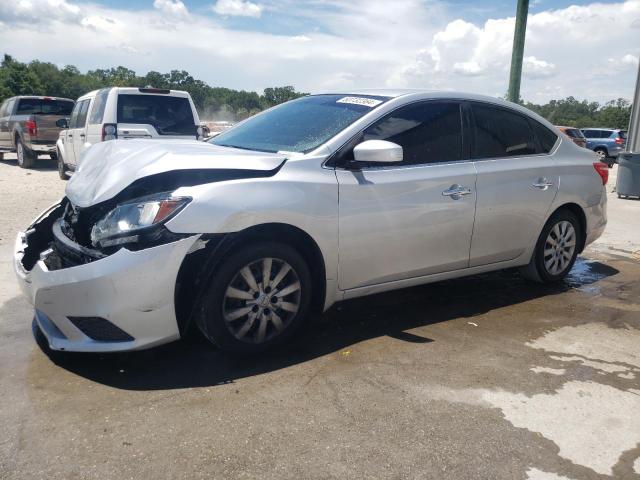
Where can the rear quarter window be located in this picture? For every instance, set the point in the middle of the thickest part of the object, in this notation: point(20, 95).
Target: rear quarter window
point(168, 115)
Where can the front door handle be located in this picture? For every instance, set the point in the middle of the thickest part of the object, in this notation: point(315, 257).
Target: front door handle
point(456, 192)
point(82, 135)
point(69, 136)
point(542, 184)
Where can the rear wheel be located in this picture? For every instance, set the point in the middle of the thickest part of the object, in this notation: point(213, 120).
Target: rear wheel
point(602, 154)
point(258, 298)
point(556, 249)
point(26, 157)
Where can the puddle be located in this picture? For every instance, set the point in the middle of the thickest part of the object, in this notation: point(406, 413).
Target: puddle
point(584, 275)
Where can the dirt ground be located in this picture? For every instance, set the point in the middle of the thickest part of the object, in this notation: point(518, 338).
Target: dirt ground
point(484, 377)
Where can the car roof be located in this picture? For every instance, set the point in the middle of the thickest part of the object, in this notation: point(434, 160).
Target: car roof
point(426, 94)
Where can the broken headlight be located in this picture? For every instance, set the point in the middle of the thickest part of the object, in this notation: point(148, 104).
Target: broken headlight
point(128, 221)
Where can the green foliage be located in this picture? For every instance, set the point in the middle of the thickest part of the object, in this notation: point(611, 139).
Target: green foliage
point(571, 112)
point(217, 103)
point(213, 103)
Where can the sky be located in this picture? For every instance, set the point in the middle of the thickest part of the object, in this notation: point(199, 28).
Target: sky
point(584, 49)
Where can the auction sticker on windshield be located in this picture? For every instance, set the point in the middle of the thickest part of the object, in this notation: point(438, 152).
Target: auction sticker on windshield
point(367, 102)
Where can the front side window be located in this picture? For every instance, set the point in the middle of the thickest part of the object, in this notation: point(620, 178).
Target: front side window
point(428, 132)
point(168, 115)
point(499, 132)
point(73, 121)
point(82, 114)
point(299, 125)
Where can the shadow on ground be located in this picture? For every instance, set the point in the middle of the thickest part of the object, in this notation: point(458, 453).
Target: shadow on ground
point(43, 163)
point(193, 362)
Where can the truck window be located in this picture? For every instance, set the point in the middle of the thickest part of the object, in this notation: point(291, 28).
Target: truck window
point(44, 106)
point(168, 115)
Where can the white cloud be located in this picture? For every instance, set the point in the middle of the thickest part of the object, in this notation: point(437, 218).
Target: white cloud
point(351, 44)
point(39, 11)
point(174, 8)
point(238, 8)
point(534, 68)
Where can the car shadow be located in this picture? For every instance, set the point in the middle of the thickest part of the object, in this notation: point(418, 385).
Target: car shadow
point(193, 362)
point(44, 163)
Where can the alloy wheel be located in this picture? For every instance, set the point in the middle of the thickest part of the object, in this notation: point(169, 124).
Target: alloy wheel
point(559, 247)
point(261, 300)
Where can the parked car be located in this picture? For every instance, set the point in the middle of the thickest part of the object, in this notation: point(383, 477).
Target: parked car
point(125, 113)
point(321, 199)
point(28, 126)
point(575, 135)
point(606, 142)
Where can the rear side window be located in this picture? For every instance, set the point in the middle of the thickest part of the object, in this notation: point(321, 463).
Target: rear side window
point(500, 133)
point(44, 106)
point(168, 115)
point(428, 132)
point(546, 138)
point(99, 104)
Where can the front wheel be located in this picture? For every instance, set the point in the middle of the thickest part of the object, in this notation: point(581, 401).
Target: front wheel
point(258, 298)
point(556, 249)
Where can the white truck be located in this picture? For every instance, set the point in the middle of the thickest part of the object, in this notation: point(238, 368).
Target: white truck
point(124, 113)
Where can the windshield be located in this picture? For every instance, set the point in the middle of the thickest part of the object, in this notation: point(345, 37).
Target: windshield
point(168, 115)
point(299, 125)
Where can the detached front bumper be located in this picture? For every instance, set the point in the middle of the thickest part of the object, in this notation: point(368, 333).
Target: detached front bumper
point(124, 301)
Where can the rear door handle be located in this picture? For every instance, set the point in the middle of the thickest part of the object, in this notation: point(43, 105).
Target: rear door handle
point(456, 191)
point(542, 184)
point(82, 135)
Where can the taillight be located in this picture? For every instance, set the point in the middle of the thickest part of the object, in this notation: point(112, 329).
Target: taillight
point(603, 170)
point(619, 141)
point(31, 127)
point(109, 131)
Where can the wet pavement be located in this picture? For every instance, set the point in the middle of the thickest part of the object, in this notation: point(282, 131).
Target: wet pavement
point(483, 377)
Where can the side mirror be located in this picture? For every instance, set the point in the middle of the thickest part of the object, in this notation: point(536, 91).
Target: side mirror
point(62, 123)
point(379, 151)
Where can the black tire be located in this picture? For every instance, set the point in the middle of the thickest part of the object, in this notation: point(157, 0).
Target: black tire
point(26, 158)
point(62, 169)
point(209, 315)
point(537, 270)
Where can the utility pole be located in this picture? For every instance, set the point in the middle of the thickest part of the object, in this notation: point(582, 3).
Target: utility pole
point(513, 94)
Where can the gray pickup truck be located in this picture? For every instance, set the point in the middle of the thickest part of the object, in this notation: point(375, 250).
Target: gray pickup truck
point(28, 126)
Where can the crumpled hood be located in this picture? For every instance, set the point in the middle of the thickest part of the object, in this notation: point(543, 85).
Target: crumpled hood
point(109, 167)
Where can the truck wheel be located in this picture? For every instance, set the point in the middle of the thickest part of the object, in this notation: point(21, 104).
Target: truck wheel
point(62, 168)
point(26, 158)
point(257, 299)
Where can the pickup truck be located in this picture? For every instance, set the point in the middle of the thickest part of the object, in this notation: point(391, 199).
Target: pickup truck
point(28, 126)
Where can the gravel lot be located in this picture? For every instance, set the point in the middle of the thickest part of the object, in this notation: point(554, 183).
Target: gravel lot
point(484, 377)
